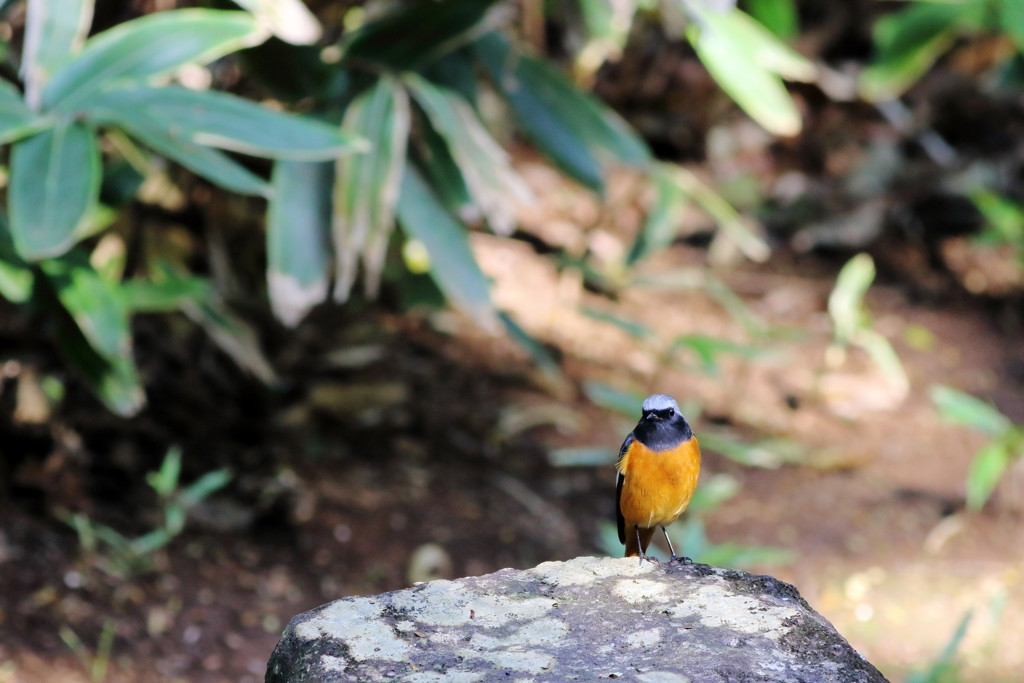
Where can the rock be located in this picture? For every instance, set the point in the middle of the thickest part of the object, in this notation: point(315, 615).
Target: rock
point(578, 620)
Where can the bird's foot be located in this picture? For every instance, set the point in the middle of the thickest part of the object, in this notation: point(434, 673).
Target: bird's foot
point(682, 559)
point(649, 558)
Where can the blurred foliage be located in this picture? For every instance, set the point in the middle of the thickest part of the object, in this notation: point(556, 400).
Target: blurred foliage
point(400, 82)
point(1004, 448)
point(122, 557)
point(95, 661)
point(851, 322)
point(909, 41)
point(944, 668)
point(1004, 222)
point(78, 94)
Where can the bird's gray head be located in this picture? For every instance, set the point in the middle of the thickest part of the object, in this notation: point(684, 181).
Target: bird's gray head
point(659, 402)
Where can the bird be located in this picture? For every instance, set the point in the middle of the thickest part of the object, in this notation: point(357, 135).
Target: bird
point(657, 471)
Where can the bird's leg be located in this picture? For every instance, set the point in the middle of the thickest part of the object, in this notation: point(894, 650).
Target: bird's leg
point(640, 549)
point(680, 558)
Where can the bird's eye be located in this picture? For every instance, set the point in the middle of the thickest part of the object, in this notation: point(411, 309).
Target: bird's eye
point(670, 412)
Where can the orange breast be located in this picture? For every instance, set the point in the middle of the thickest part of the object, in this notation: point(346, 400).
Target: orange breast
point(658, 485)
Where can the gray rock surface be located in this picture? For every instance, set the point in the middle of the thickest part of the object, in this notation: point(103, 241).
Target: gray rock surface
point(584, 619)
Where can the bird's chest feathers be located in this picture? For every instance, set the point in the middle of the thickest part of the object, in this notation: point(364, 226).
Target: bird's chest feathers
point(658, 485)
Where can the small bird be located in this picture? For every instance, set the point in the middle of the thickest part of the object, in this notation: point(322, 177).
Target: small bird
point(657, 473)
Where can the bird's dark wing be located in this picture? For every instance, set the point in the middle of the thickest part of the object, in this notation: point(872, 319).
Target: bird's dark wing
point(619, 478)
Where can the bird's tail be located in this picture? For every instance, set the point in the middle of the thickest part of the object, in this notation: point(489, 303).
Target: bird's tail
point(634, 550)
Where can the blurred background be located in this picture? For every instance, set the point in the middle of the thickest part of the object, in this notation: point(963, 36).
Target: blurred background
point(300, 301)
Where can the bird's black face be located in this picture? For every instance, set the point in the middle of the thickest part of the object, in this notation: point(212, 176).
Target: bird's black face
point(659, 415)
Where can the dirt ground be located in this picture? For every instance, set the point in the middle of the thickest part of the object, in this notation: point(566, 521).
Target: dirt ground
point(404, 447)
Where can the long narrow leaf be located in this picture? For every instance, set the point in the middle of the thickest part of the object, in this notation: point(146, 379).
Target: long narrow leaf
point(215, 166)
point(961, 408)
point(746, 60)
point(298, 224)
point(452, 263)
point(54, 30)
point(663, 217)
point(567, 125)
point(16, 119)
point(846, 302)
point(366, 186)
point(733, 226)
point(148, 47)
point(232, 334)
point(485, 166)
point(55, 180)
point(418, 33)
point(220, 120)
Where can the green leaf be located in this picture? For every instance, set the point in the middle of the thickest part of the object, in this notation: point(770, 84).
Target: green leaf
point(778, 16)
point(232, 334)
point(443, 174)
point(630, 327)
point(985, 472)
point(960, 408)
point(539, 355)
point(907, 43)
point(418, 33)
point(883, 355)
point(16, 119)
point(712, 492)
point(298, 225)
point(1011, 20)
point(165, 480)
point(707, 350)
point(204, 486)
point(16, 277)
point(663, 218)
point(366, 186)
point(581, 456)
point(162, 296)
point(747, 62)
point(625, 403)
point(92, 301)
point(289, 20)
point(215, 166)
point(54, 31)
point(745, 556)
point(846, 302)
point(939, 670)
point(732, 225)
point(149, 47)
point(99, 347)
point(484, 165)
point(55, 181)
point(453, 265)
point(220, 120)
point(567, 125)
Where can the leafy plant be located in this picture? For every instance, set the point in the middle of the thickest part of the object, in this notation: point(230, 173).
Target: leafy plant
point(1004, 221)
point(96, 663)
point(851, 322)
point(1005, 445)
point(123, 557)
point(80, 91)
point(908, 42)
